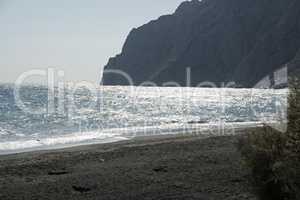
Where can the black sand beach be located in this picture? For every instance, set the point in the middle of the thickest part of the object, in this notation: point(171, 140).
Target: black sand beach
point(173, 167)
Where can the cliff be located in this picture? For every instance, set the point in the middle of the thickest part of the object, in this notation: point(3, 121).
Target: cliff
point(218, 40)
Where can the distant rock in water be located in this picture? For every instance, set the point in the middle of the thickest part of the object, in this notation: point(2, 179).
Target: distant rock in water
point(239, 41)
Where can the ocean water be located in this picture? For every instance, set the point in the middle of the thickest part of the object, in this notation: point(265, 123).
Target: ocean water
point(35, 117)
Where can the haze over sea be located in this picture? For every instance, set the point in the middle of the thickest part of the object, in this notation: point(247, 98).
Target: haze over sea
point(79, 116)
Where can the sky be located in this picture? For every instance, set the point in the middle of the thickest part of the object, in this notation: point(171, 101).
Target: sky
point(74, 36)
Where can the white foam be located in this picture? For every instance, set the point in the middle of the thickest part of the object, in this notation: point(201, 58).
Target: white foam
point(3, 132)
point(57, 142)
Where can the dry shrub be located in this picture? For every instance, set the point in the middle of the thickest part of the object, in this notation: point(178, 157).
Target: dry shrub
point(274, 157)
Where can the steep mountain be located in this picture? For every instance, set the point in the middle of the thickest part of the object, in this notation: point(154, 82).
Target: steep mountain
point(239, 41)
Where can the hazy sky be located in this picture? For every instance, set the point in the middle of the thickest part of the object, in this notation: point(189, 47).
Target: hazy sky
point(77, 36)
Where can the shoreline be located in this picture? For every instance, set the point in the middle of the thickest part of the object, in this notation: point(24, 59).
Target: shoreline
point(201, 129)
point(153, 167)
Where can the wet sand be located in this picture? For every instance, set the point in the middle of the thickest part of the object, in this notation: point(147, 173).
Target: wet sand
point(169, 167)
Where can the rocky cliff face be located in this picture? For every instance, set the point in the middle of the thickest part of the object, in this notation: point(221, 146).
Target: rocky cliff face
point(218, 40)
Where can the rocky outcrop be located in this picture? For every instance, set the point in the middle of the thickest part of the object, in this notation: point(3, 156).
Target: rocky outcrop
point(217, 40)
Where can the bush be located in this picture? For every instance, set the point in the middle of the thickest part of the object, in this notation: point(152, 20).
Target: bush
point(274, 157)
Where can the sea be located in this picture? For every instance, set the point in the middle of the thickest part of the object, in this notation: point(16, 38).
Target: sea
point(34, 117)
